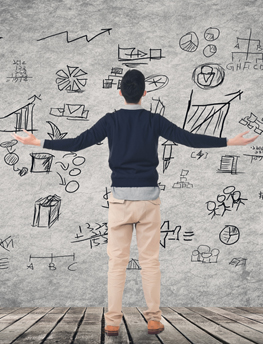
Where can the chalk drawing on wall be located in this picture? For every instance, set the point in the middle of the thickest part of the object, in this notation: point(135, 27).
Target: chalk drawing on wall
point(254, 157)
point(229, 235)
point(248, 49)
point(130, 57)
point(46, 211)
point(96, 235)
point(20, 73)
point(7, 243)
point(152, 82)
point(199, 155)
point(114, 78)
point(168, 234)
point(4, 263)
point(66, 34)
point(229, 200)
point(156, 82)
point(211, 34)
point(167, 153)
point(208, 118)
point(56, 133)
point(238, 262)
point(228, 164)
point(188, 235)
point(133, 264)
point(183, 183)
point(41, 162)
point(257, 149)
point(75, 112)
point(73, 80)
point(51, 265)
point(159, 106)
point(20, 119)
point(161, 186)
point(106, 197)
point(189, 42)
point(210, 50)
point(77, 161)
point(252, 122)
point(11, 158)
point(208, 75)
point(204, 254)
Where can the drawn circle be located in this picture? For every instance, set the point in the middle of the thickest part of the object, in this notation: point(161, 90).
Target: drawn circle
point(189, 42)
point(221, 198)
point(74, 172)
point(72, 186)
point(78, 161)
point(229, 235)
point(229, 190)
point(8, 144)
point(210, 205)
point(208, 75)
point(155, 82)
point(210, 50)
point(11, 158)
point(211, 34)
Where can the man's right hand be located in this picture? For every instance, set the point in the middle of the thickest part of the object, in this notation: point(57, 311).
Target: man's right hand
point(239, 140)
point(30, 139)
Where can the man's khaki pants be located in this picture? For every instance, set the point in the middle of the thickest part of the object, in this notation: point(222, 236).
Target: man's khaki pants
point(146, 217)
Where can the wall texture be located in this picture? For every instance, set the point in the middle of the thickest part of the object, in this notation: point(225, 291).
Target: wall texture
point(61, 65)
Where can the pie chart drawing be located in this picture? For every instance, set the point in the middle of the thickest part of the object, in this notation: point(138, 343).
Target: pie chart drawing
point(229, 235)
point(211, 34)
point(210, 50)
point(189, 42)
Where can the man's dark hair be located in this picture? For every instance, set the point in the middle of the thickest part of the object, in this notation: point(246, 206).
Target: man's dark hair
point(133, 86)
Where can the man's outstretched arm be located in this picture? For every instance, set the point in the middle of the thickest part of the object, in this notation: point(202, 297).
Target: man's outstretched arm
point(89, 137)
point(238, 140)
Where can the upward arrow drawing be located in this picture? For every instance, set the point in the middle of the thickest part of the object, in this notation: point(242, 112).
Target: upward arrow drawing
point(75, 39)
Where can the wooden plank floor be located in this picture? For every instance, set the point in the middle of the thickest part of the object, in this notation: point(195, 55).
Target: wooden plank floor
point(79, 325)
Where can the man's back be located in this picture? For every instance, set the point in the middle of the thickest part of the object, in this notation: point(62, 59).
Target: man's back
point(133, 144)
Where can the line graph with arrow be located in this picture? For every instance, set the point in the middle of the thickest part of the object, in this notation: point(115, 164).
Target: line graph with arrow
point(75, 39)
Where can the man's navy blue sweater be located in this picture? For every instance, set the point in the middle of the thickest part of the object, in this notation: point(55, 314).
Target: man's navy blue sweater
point(133, 144)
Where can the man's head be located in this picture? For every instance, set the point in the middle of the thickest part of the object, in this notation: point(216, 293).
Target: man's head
point(133, 86)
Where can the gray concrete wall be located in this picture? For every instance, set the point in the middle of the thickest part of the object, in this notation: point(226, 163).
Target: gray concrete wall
point(211, 246)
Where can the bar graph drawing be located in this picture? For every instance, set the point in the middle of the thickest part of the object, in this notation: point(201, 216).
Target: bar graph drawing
point(208, 119)
point(20, 119)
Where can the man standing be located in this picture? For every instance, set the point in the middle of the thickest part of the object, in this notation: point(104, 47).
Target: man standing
point(133, 134)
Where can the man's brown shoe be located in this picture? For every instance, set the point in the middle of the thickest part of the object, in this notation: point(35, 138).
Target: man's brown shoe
point(155, 327)
point(112, 330)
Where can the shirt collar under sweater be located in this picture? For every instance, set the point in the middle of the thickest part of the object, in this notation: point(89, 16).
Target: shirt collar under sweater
point(132, 107)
